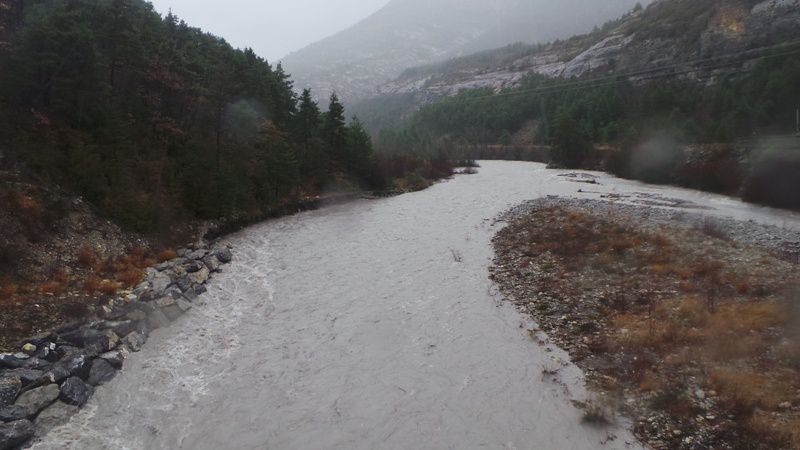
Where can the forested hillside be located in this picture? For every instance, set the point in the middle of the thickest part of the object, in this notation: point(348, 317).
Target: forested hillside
point(155, 122)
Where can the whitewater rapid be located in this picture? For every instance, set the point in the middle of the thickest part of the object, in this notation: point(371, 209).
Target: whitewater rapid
point(367, 325)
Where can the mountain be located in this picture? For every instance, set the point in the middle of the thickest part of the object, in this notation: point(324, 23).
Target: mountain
point(408, 33)
point(691, 39)
point(668, 32)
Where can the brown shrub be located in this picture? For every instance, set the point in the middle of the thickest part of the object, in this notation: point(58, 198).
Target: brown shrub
point(92, 284)
point(52, 287)
point(8, 290)
point(166, 255)
point(743, 392)
point(109, 287)
point(86, 256)
point(131, 277)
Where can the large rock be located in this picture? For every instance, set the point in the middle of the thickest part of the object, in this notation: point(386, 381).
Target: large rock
point(15, 433)
point(12, 413)
point(224, 255)
point(173, 309)
point(135, 341)
point(211, 262)
point(36, 364)
point(56, 415)
point(160, 283)
point(9, 361)
point(117, 357)
point(37, 399)
point(184, 283)
point(193, 267)
point(197, 254)
point(199, 277)
point(9, 389)
point(27, 376)
point(75, 392)
point(98, 341)
point(101, 373)
point(157, 319)
point(77, 365)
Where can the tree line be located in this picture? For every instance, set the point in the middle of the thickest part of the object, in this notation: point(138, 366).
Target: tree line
point(156, 122)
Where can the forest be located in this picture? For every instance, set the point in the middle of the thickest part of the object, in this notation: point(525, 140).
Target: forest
point(155, 122)
point(577, 117)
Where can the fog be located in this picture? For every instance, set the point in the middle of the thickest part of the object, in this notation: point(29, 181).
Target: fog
point(273, 28)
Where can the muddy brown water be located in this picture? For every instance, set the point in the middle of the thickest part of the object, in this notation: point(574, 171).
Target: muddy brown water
point(367, 325)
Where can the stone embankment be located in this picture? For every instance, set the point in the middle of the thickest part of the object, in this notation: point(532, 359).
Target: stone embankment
point(54, 374)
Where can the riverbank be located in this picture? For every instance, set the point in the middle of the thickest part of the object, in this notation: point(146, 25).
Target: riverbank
point(685, 324)
point(54, 374)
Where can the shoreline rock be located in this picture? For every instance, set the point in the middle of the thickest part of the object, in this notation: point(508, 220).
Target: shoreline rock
point(54, 374)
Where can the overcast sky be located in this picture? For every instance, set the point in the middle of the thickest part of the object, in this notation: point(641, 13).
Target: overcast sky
point(273, 28)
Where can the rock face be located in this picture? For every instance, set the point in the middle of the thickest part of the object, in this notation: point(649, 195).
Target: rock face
point(700, 30)
point(15, 433)
point(55, 374)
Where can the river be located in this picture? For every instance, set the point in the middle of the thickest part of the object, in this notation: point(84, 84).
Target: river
point(366, 325)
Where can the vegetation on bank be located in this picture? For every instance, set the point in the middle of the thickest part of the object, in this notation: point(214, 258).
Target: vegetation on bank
point(691, 333)
point(156, 123)
point(645, 127)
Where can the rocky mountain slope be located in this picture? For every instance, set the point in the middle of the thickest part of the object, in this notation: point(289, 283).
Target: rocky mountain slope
point(408, 33)
point(690, 38)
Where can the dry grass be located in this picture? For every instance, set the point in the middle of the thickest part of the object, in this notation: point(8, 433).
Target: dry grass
point(86, 256)
point(166, 255)
point(681, 312)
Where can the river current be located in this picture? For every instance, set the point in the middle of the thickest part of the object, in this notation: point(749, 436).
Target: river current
point(367, 325)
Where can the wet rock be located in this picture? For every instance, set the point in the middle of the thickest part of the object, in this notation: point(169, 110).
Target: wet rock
point(37, 399)
point(200, 289)
point(12, 413)
point(157, 319)
point(197, 254)
point(117, 357)
point(136, 315)
point(122, 328)
point(47, 352)
point(9, 361)
point(135, 341)
point(101, 373)
point(56, 374)
point(76, 365)
point(173, 309)
point(15, 433)
point(183, 283)
point(75, 392)
point(193, 267)
point(36, 363)
point(9, 389)
point(54, 416)
point(190, 295)
point(160, 283)
point(211, 262)
point(98, 341)
point(200, 277)
point(224, 256)
point(27, 376)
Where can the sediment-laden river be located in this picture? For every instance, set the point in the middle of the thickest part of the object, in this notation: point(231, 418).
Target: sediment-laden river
point(371, 324)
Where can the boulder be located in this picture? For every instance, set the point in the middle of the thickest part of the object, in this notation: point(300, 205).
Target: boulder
point(157, 319)
point(190, 295)
point(224, 255)
point(200, 289)
point(54, 416)
point(9, 389)
point(101, 373)
point(121, 328)
point(38, 399)
point(12, 413)
point(160, 283)
point(117, 357)
point(36, 363)
point(77, 365)
point(98, 341)
point(173, 309)
point(27, 376)
point(200, 277)
point(9, 361)
point(135, 341)
point(211, 262)
point(13, 434)
point(197, 254)
point(193, 266)
point(75, 392)
point(184, 283)
point(56, 374)
point(47, 352)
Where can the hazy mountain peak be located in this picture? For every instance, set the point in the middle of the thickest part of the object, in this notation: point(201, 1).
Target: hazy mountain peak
point(408, 33)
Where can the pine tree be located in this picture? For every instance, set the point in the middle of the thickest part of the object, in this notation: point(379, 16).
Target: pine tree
point(334, 131)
